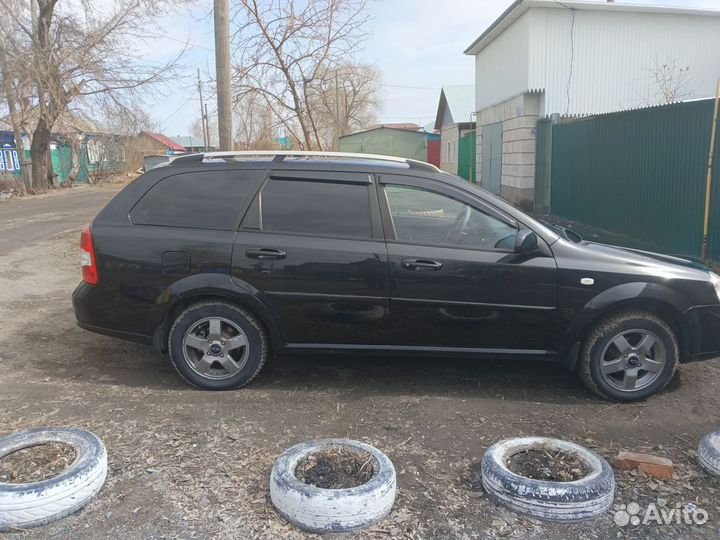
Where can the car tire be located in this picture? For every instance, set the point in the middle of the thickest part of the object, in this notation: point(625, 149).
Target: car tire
point(319, 510)
point(581, 499)
point(39, 503)
point(709, 453)
point(200, 344)
point(599, 355)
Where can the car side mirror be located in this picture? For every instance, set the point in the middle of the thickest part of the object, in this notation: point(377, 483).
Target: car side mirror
point(526, 241)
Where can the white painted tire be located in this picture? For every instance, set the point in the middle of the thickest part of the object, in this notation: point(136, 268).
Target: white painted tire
point(581, 499)
point(709, 453)
point(39, 503)
point(320, 510)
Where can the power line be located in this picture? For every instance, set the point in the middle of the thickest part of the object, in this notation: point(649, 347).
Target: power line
point(162, 124)
point(186, 42)
point(413, 117)
point(414, 87)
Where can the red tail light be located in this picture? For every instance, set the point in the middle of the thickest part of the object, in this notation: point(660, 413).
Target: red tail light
point(87, 257)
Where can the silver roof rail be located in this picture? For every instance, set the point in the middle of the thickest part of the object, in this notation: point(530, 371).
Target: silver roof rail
point(280, 155)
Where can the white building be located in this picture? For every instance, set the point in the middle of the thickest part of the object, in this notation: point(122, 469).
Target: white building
point(544, 57)
point(454, 118)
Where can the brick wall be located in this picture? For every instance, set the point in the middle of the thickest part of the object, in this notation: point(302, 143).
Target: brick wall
point(450, 134)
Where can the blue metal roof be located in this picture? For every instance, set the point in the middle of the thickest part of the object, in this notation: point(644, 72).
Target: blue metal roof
point(188, 141)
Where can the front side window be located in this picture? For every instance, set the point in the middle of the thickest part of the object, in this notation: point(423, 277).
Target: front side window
point(316, 208)
point(425, 217)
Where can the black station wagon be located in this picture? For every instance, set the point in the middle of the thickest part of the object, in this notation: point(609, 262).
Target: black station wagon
point(222, 259)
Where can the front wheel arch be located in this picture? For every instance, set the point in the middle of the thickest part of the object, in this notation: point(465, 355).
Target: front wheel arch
point(670, 314)
point(591, 361)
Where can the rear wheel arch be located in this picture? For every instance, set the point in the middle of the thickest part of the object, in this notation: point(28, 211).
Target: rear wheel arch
point(218, 345)
point(162, 333)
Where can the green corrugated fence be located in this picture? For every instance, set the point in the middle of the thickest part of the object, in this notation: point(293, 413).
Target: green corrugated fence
point(466, 157)
point(640, 174)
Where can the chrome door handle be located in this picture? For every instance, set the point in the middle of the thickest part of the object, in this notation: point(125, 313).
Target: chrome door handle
point(426, 265)
point(262, 253)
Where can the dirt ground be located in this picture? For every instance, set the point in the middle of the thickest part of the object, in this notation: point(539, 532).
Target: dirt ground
point(184, 463)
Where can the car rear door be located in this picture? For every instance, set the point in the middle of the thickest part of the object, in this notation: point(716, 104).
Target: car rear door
point(462, 287)
point(312, 246)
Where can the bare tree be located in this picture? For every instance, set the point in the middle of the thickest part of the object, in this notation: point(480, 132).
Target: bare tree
point(79, 54)
point(284, 49)
point(255, 125)
point(120, 126)
point(343, 100)
point(110, 149)
point(16, 88)
point(196, 130)
point(669, 82)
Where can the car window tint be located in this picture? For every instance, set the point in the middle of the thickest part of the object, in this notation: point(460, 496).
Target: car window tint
point(201, 200)
point(316, 208)
point(426, 217)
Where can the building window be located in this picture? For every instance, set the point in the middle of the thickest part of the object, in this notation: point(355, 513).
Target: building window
point(9, 160)
point(94, 150)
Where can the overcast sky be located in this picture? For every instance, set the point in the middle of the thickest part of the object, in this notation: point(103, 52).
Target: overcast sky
point(417, 44)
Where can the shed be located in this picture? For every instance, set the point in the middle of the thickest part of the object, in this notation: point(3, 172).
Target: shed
point(147, 143)
point(406, 143)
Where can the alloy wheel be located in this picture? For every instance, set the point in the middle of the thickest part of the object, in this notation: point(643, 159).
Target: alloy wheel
point(215, 348)
point(632, 360)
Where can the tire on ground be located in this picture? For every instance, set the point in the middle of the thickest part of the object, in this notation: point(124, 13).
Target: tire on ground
point(250, 325)
point(709, 453)
point(39, 503)
point(590, 360)
point(578, 500)
point(331, 510)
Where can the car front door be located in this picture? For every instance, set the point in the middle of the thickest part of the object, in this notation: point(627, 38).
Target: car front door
point(456, 281)
point(311, 244)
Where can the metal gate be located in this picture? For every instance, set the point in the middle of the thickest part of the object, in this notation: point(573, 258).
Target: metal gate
point(491, 172)
point(466, 157)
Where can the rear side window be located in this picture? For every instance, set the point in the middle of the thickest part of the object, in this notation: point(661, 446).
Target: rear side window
point(200, 200)
point(316, 208)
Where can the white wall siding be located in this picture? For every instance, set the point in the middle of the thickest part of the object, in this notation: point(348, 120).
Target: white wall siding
point(615, 56)
point(501, 69)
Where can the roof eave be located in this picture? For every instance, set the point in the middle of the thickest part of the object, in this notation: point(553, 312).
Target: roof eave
point(495, 28)
point(442, 104)
point(519, 7)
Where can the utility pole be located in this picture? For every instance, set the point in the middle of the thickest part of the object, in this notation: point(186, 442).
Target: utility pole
point(337, 112)
point(207, 129)
point(202, 112)
point(708, 186)
point(222, 73)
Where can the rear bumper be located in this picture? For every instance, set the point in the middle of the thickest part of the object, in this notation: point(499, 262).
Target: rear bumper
point(704, 332)
point(91, 314)
point(128, 336)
